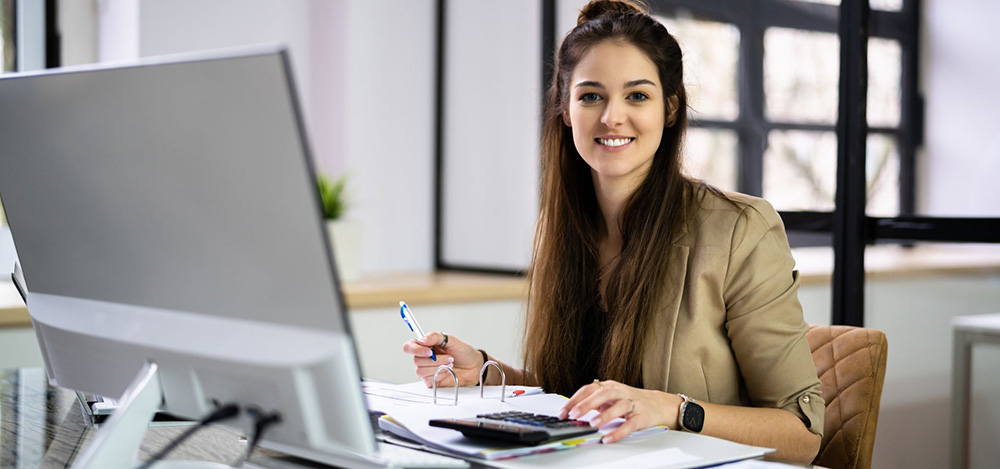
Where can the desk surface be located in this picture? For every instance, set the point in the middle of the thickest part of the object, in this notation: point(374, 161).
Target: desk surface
point(982, 323)
point(44, 427)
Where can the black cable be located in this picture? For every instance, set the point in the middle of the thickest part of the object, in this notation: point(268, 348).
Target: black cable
point(227, 411)
point(261, 423)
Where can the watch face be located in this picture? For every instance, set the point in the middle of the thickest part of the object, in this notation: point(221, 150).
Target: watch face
point(694, 417)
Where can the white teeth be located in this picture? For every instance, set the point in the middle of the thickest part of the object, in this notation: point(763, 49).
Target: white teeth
point(614, 142)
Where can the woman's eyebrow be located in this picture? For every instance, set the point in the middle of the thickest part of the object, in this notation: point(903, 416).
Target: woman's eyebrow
point(595, 84)
point(642, 81)
point(628, 84)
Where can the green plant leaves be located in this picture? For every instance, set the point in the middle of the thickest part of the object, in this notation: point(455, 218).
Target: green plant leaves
point(332, 196)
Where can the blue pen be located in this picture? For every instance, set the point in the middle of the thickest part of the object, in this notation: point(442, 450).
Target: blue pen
point(411, 321)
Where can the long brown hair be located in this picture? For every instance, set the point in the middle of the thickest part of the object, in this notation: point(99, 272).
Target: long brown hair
point(565, 274)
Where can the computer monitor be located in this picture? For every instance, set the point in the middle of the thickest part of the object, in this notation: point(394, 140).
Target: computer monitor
point(166, 212)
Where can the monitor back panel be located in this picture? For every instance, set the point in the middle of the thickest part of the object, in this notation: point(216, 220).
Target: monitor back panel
point(183, 186)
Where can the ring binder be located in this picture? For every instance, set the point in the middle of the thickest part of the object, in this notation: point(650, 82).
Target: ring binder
point(482, 389)
point(454, 377)
point(503, 380)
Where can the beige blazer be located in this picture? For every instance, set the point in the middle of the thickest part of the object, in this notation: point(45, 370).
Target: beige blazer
point(731, 331)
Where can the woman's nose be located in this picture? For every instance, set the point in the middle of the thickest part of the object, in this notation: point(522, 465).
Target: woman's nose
point(614, 115)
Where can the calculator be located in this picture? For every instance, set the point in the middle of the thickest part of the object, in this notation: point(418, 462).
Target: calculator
point(517, 427)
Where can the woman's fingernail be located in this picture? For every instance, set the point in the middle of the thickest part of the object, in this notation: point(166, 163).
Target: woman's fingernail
point(595, 423)
point(574, 414)
point(451, 359)
point(606, 440)
point(422, 339)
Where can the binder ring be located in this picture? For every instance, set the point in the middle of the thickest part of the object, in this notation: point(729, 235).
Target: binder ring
point(503, 380)
point(455, 377)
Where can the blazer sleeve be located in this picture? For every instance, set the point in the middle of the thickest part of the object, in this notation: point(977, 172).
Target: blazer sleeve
point(764, 318)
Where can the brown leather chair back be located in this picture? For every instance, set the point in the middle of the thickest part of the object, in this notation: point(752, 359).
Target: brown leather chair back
point(850, 362)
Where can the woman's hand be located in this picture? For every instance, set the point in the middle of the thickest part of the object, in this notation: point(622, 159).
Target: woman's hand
point(464, 360)
point(640, 408)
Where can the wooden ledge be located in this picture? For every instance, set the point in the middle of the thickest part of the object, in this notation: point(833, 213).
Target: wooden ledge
point(381, 291)
point(432, 288)
point(419, 288)
point(12, 310)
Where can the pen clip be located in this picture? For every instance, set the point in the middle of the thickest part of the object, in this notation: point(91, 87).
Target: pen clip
point(406, 319)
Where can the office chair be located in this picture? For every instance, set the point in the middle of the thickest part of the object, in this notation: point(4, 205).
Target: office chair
point(850, 362)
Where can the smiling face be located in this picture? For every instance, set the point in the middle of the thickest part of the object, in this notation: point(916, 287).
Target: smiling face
point(617, 111)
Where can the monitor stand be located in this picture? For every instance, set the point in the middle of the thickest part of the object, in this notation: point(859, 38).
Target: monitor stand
point(117, 441)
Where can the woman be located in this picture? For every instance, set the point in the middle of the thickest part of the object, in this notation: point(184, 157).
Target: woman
point(648, 286)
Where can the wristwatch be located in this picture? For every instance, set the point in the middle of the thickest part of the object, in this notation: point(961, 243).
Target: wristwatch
point(691, 416)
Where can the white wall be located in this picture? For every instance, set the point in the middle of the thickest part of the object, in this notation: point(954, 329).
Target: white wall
point(389, 120)
point(491, 132)
point(961, 162)
point(364, 71)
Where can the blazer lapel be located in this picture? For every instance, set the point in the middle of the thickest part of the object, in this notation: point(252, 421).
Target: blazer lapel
point(660, 340)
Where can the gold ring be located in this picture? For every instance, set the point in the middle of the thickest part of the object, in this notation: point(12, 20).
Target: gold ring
point(598, 383)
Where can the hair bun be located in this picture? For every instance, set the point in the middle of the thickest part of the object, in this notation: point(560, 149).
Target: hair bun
point(599, 8)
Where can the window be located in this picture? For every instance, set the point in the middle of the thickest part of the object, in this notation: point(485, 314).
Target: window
point(763, 76)
point(711, 51)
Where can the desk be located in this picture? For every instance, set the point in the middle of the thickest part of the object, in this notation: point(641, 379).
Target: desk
point(44, 426)
point(968, 330)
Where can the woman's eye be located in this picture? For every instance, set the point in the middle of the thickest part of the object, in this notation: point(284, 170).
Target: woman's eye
point(590, 97)
point(638, 97)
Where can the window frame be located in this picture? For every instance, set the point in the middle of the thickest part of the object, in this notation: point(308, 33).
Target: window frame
point(752, 18)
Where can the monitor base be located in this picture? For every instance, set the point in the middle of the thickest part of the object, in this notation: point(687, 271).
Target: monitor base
point(117, 441)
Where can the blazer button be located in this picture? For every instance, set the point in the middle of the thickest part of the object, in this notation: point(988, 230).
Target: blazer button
point(805, 399)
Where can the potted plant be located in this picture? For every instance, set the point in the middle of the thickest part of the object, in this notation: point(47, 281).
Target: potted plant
point(344, 233)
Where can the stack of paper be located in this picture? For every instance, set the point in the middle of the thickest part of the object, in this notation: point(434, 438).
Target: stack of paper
point(409, 408)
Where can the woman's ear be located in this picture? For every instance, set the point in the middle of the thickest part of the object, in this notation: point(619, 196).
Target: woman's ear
point(566, 120)
point(672, 105)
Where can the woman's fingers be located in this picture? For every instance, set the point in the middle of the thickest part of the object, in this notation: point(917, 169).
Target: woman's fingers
point(606, 392)
point(610, 411)
point(580, 394)
point(414, 348)
point(427, 361)
point(621, 432)
point(422, 347)
point(432, 339)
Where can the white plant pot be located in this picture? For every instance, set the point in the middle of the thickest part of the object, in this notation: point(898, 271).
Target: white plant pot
point(345, 242)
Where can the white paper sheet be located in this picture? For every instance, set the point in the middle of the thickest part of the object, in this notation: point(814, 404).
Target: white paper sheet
point(652, 460)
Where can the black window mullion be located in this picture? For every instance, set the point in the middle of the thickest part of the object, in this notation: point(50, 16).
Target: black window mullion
point(849, 223)
point(752, 131)
point(911, 118)
point(800, 126)
point(53, 41)
point(798, 15)
point(715, 124)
